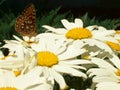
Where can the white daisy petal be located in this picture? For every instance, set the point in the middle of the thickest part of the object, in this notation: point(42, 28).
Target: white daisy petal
point(71, 52)
point(44, 86)
point(41, 45)
point(11, 64)
point(76, 62)
point(104, 79)
point(60, 48)
point(78, 67)
point(17, 38)
point(78, 22)
point(12, 41)
point(55, 46)
point(68, 25)
point(58, 30)
point(103, 33)
point(46, 72)
point(26, 82)
point(59, 79)
point(107, 38)
point(108, 86)
point(68, 70)
point(35, 71)
point(22, 82)
point(78, 44)
point(50, 43)
point(7, 80)
point(101, 28)
point(103, 64)
point(73, 65)
point(98, 72)
point(96, 27)
point(115, 60)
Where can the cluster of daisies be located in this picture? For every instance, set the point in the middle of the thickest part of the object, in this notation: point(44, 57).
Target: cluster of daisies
point(36, 63)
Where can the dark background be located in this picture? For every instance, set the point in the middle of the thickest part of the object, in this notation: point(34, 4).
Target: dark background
point(105, 8)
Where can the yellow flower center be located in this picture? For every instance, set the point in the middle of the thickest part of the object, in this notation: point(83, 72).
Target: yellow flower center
point(46, 58)
point(113, 45)
point(118, 72)
point(17, 72)
point(117, 32)
point(8, 88)
point(78, 33)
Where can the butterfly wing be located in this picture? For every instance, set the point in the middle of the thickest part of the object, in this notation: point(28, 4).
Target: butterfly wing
point(26, 23)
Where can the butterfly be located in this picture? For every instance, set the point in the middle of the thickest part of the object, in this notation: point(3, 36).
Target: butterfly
point(25, 23)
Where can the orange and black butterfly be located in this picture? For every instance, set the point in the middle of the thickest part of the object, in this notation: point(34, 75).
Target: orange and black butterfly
point(26, 23)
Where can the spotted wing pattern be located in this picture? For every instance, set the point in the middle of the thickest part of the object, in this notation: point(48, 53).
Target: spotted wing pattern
point(26, 23)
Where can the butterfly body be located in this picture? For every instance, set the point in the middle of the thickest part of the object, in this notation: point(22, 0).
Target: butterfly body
point(26, 23)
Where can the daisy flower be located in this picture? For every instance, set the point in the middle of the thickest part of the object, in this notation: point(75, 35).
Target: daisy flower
point(91, 34)
point(107, 71)
point(115, 45)
point(29, 81)
point(55, 59)
point(15, 57)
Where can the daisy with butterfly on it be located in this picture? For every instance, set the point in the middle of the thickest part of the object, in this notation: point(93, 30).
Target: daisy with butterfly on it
point(25, 25)
point(19, 55)
point(91, 35)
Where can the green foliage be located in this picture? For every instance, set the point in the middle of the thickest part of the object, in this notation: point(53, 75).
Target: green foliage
point(7, 26)
point(74, 82)
point(107, 23)
point(2, 1)
point(50, 18)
